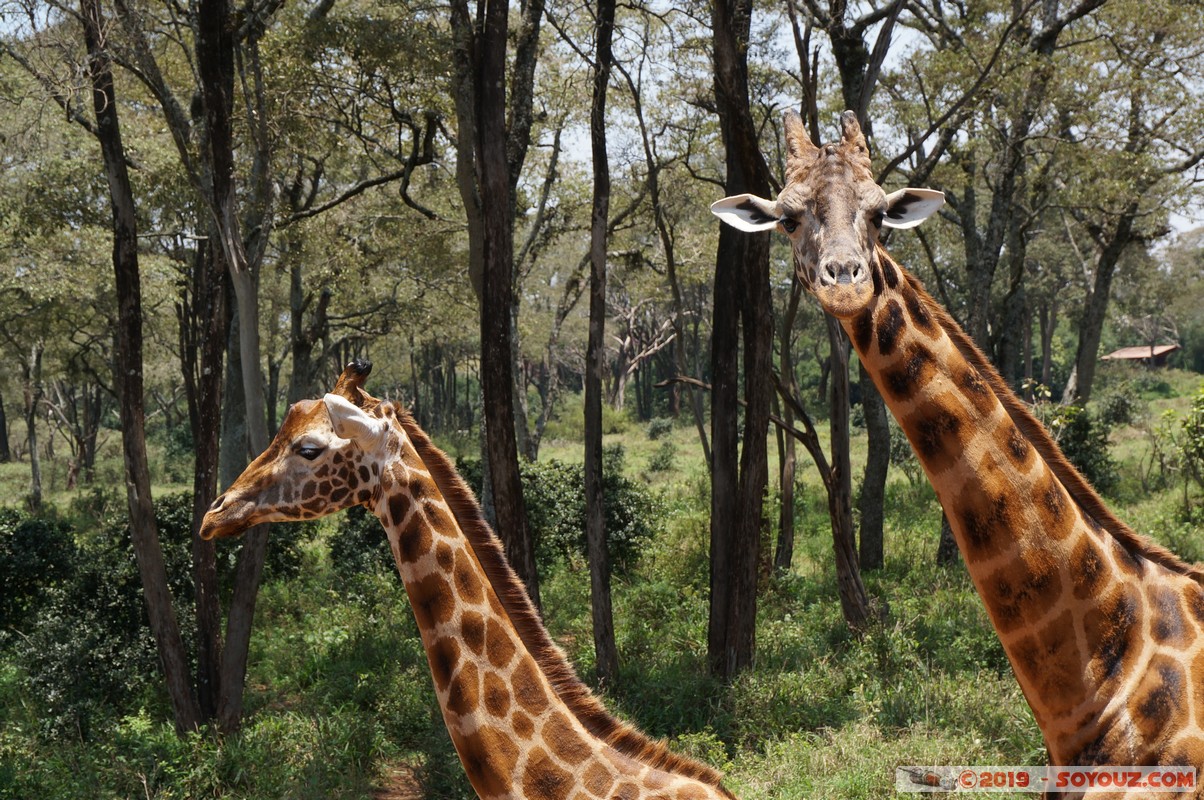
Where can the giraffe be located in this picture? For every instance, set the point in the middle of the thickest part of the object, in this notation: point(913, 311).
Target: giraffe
point(521, 721)
point(1102, 626)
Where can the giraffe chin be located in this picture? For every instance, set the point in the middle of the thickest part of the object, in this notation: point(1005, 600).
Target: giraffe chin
point(213, 526)
point(846, 300)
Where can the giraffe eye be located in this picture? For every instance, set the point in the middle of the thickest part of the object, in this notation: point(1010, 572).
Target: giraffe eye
point(309, 452)
point(789, 225)
point(877, 219)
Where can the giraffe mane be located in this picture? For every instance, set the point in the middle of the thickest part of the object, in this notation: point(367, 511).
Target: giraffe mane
point(1083, 494)
point(580, 701)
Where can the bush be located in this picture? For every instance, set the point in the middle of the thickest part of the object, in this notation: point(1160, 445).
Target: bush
point(90, 649)
point(1083, 439)
point(36, 554)
point(554, 493)
point(661, 426)
point(663, 459)
point(360, 546)
point(1118, 407)
point(555, 496)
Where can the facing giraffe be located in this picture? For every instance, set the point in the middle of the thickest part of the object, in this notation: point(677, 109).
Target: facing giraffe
point(1104, 629)
point(521, 722)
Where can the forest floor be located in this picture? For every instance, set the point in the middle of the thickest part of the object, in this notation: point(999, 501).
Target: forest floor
point(340, 702)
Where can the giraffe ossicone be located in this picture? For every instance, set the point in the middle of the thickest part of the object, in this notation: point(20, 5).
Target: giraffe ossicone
point(1103, 628)
point(521, 721)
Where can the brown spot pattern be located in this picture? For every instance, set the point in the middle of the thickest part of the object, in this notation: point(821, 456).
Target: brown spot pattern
point(498, 643)
point(917, 368)
point(1111, 630)
point(1087, 568)
point(489, 756)
point(464, 694)
point(1168, 625)
point(472, 628)
point(597, 780)
point(528, 688)
point(1049, 660)
point(431, 599)
point(443, 656)
point(564, 741)
point(1158, 700)
point(935, 432)
point(468, 584)
point(890, 326)
point(544, 779)
point(1021, 592)
point(497, 695)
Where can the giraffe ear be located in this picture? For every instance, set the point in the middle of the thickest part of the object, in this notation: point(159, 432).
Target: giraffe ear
point(907, 208)
point(352, 422)
point(747, 212)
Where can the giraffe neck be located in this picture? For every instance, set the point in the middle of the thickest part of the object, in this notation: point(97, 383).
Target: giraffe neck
point(1100, 626)
point(521, 722)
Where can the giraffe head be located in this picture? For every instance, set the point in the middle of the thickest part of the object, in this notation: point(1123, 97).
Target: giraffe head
point(832, 210)
point(326, 457)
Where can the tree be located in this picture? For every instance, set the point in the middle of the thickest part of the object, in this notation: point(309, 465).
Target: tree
point(128, 373)
point(1141, 148)
point(489, 161)
point(741, 302)
point(606, 655)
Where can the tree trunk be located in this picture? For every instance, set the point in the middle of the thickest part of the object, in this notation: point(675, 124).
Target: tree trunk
point(204, 331)
point(741, 298)
point(5, 453)
point(1091, 326)
point(497, 379)
point(32, 380)
point(946, 549)
point(872, 502)
point(128, 378)
point(215, 58)
point(854, 603)
point(784, 552)
point(605, 650)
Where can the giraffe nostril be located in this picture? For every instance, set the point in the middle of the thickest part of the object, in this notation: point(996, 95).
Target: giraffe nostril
point(218, 503)
point(842, 272)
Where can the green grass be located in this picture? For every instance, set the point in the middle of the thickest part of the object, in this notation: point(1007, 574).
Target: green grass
point(339, 695)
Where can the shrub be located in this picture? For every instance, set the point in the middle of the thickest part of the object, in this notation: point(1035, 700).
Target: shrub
point(359, 545)
point(663, 459)
point(661, 426)
point(36, 554)
point(1083, 439)
point(554, 493)
point(903, 456)
point(90, 649)
point(1118, 407)
point(555, 497)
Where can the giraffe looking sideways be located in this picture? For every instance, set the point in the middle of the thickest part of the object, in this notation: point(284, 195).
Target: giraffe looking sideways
point(521, 722)
point(1103, 628)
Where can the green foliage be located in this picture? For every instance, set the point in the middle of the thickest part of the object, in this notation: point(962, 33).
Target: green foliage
point(1193, 439)
point(360, 546)
point(663, 458)
point(659, 426)
point(178, 453)
point(903, 457)
point(89, 649)
point(555, 495)
point(1118, 406)
point(1083, 438)
point(36, 555)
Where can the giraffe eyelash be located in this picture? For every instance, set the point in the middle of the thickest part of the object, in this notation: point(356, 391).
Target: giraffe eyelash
point(309, 452)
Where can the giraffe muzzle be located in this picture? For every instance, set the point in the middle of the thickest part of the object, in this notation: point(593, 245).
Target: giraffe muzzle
point(842, 272)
